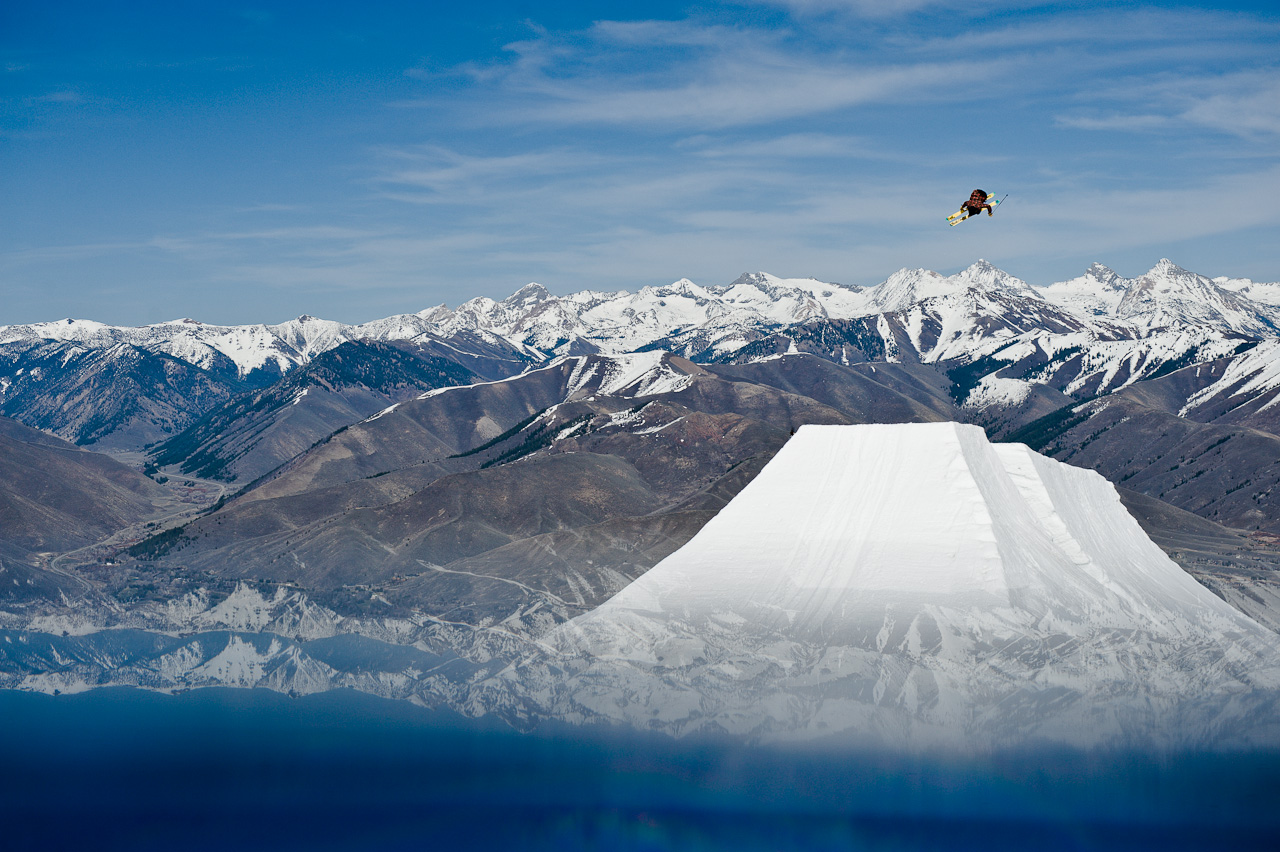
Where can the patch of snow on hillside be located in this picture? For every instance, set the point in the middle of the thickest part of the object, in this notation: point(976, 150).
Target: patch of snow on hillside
point(641, 374)
point(383, 413)
point(625, 418)
point(555, 364)
point(653, 430)
point(993, 390)
point(1255, 372)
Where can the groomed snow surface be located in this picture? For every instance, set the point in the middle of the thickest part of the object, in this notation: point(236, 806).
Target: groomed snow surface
point(915, 586)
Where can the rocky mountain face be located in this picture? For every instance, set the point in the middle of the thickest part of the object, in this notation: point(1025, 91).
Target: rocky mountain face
point(254, 433)
point(464, 480)
point(117, 397)
point(128, 389)
point(1013, 341)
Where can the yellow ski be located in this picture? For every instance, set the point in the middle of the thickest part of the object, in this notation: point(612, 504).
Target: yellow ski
point(960, 215)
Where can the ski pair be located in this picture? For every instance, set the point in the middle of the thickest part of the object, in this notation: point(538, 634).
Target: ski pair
point(960, 215)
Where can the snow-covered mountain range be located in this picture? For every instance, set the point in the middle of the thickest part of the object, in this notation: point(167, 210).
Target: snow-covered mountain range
point(719, 320)
point(1021, 351)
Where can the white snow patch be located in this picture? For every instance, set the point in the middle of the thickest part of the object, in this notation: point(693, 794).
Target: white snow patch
point(1251, 374)
point(993, 390)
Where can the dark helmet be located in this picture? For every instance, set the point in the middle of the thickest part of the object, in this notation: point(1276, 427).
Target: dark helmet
point(978, 192)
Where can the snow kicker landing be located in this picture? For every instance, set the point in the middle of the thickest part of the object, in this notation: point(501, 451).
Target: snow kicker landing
point(915, 587)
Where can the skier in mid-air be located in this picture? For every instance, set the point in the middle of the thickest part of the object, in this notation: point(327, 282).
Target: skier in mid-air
point(979, 200)
point(976, 204)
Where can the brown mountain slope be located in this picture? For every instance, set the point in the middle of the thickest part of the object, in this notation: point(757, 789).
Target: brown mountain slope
point(55, 496)
point(589, 482)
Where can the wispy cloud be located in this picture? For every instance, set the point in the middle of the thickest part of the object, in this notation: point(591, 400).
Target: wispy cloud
point(668, 74)
point(1114, 121)
point(688, 75)
point(1247, 104)
point(1239, 103)
point(787, 146)
point(861, 8)
point(63, 96)
point(437, 173)
point(765, 89)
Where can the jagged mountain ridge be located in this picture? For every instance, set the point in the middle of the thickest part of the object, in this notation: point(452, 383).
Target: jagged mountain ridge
point(1122, 330)
point(118, 397)
point(541, 325)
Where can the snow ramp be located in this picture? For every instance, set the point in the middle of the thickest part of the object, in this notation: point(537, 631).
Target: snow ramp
point(914, 585)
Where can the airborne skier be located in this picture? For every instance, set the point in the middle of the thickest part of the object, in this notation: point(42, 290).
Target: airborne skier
point(976, 204)
point(978, 201)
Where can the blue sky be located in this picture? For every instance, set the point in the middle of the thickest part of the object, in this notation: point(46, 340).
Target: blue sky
point(252, 163)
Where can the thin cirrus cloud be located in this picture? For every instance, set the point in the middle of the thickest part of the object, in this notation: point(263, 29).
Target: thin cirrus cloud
point(861, 8)
point(742, 93)
point(440, 174)
point(1253, 107)
point(1243, 104)
point(788, 146)
point(888, 9)
point(668, 74)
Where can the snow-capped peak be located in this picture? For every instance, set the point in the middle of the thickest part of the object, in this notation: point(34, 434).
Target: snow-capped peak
point(982, 275)
point(1096, 293)
point(907, 287)
point(979, 302)
point(1258, 291)
point(529, 294)
point(1169, 295)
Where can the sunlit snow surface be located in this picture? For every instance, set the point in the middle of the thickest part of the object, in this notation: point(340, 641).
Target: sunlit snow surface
point(916, 586)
